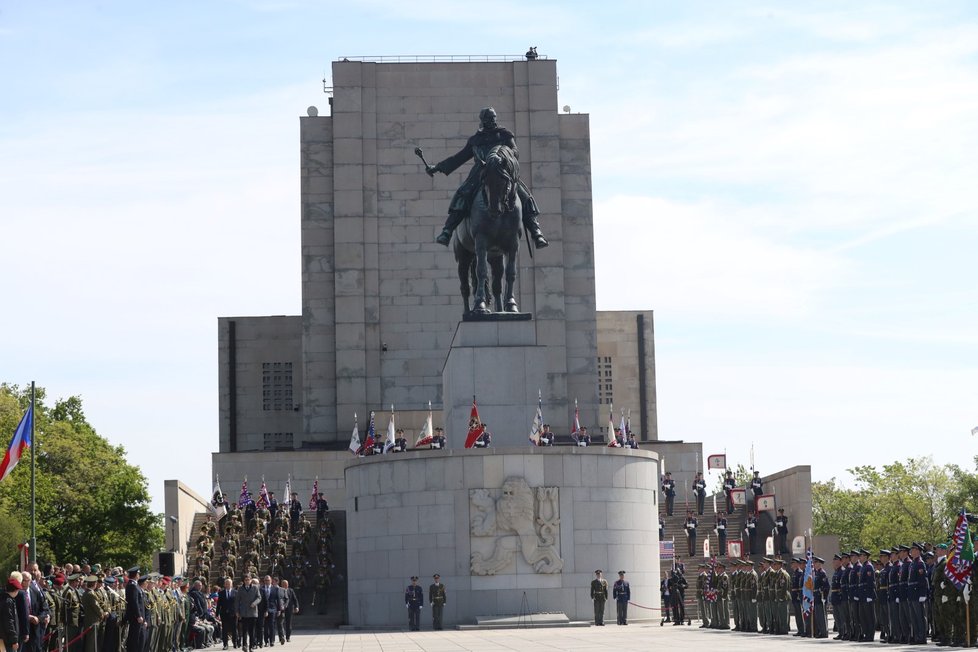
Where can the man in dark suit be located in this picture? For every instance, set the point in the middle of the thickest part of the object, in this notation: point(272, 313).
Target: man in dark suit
point(38, 613)
point(227, 614)
point(295, 511)
point(268, 610)
point(283, 607)
point(292, 608)
point(135, 612)
point(272, 504)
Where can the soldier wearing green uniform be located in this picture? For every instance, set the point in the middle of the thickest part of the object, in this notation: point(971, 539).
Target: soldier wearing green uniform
point(780, 591)
point(749, 595)
point(723, 597)
point(52, 594)
point(71, 599)
point(700, 593)
point(94, 615)
point(735, 576)
point(764, 595)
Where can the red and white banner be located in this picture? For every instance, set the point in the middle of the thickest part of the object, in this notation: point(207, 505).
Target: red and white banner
point(717, 461)
point(739, 496)
point(735, 549)
point(766, 503)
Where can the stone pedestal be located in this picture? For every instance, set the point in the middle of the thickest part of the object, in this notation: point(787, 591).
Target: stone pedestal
point(501, 364)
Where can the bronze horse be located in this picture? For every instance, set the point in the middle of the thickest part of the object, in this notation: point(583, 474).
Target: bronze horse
point(489, 237)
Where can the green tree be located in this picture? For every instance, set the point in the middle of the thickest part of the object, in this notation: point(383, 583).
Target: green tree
point(91, 503)
point(914, 500)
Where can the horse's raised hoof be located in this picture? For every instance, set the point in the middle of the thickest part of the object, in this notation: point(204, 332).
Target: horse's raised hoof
point(511, 306)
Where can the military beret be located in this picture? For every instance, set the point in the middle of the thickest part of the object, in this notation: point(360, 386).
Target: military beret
point(942, 546)
point(110, 579)
point(818, 559)
point(59, 579)
point(96, 567)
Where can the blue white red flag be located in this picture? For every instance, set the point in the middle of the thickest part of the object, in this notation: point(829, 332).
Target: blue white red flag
point(369, 442)
point(245, 498)
point(19, 444)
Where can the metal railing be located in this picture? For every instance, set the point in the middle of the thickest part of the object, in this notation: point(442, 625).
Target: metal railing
point(450, 58)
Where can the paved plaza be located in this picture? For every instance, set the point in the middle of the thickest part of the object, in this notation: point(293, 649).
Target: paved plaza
point(638, 637)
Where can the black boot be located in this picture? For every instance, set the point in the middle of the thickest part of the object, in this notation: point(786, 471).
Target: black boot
point(444, 237)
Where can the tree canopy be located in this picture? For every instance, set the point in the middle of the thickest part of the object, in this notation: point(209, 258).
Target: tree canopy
point(91, 504)
point(914, 500)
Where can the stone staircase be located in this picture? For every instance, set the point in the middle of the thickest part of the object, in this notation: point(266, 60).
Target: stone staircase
point(675, 530)
point(313, 611)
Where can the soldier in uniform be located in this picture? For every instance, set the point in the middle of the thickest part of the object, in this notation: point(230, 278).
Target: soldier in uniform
point(135, 614)
point(699, 491)
point(73, 613)
point(53, 594)
point(750, 528)
point(721, 534)
point(781, 523)
point(677, 589)
point(820, 593)
point(780, 588)
point(882, 597)
point(95, 615)
point(855, 592)
point(437, 597)
point(690, 526)
point(797, 577)
point(701, 580)
point(763, 596)
point(669, 491)
point(723, 597)
point(748, 592)
point(414, 601)
point(735, 577)
point(867, 596)
point(906, 618)
point(917, 589)
point(622, 593)
point(729, 484)
point(599, 595)
point(757, 487)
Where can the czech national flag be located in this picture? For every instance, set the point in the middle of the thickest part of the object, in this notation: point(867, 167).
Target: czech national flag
point(20, 443)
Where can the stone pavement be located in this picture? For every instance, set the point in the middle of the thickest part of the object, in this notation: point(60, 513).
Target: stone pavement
point(637, 637)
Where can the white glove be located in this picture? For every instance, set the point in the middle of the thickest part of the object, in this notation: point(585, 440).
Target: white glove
point(898, 600)
point(754, 601)
point(922, 599)
point(869, 599)
point(943, 599)
point(943, 585)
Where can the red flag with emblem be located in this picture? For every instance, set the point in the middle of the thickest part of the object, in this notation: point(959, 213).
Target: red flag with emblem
point(475, 426)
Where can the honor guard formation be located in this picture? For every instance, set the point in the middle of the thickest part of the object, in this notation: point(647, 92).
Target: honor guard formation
point(904, 595)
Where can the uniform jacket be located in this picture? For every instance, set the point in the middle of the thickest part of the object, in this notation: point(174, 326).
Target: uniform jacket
point(414, 597)
point(621, 591)
point(135, 603)
point(225, 602)
point(599, 589)
point(867, 583)
point(436, 594)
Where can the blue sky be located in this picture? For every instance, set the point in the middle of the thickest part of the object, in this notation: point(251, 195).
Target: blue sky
point(800, 176)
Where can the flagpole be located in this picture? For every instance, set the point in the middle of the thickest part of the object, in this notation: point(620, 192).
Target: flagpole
point(33, 553)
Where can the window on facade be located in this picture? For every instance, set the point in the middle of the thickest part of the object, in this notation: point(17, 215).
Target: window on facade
point(276, 386)
point(276, 441)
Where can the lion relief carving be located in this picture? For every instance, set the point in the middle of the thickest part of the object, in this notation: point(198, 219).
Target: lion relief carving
point(521, 520)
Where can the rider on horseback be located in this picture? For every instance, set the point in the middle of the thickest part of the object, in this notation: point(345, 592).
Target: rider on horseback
point(489, 135)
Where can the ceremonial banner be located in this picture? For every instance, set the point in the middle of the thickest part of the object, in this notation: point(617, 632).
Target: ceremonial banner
point(19, 444)
point(808, 585)
point(355, 437)
point(389, 443)
point(427, 431)
point(739, 496)
point(537, 424)
point(577, 422)
point(717, 462)
point(667, 550)
point(475, 426)
point(735, 549)
point(766, 503)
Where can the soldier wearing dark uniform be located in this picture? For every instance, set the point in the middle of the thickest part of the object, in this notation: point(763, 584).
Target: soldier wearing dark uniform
point(797, 578)
point(750, 527)
point(669, 491)
point(917, 589)
point(820, 590)
point(622, 593)
point(882, 598)
point(699, 491)
point(781, 523)
point(838, 596)
point(729, 484)
point(478, 146)
point(414, 601)
point(690, 526)
point(756, 487)
point(867, 596)
point(722, 534)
